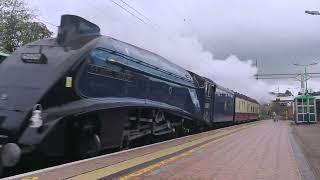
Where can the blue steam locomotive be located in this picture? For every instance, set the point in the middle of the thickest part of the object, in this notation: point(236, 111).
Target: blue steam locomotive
point(81, 93)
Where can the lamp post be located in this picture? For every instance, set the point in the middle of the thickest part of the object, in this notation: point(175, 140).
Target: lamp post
point(304, 77)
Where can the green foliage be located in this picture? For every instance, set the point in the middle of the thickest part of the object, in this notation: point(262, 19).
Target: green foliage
point(265, 111)
point(17, 26)
point(288, 93)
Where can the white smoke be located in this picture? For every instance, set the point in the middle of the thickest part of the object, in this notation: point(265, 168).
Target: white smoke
point(172, 30)
point(172, 39)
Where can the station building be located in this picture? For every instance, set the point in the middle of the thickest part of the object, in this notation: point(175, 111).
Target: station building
point(288, 102)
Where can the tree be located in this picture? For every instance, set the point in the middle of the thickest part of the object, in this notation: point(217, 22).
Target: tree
point(276, 107)
point(315, 93)
point(264, 111)
point(17, 26)
point(288, 93)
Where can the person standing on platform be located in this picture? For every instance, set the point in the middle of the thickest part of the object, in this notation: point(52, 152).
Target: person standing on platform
point(274, 116)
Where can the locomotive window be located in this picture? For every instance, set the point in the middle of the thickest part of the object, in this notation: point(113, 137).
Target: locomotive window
point(99, 57)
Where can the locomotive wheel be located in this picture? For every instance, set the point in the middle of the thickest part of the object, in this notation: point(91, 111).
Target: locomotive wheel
point(88, 146)
point(159, 117)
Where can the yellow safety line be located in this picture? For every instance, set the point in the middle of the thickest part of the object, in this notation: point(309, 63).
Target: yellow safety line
point(112, 169)
point(164, 162)
point(30, 178)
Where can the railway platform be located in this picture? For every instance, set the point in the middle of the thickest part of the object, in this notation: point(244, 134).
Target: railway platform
point(258, 150)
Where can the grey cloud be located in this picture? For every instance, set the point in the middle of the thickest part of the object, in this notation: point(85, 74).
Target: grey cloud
point(205, 33)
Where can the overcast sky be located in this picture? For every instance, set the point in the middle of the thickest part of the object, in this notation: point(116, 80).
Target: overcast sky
point(276, 33)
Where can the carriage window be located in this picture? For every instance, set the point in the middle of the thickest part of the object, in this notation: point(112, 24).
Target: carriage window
point(225, 105)
point(208, 90)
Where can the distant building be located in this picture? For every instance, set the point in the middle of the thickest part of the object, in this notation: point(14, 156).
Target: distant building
point(288, 103)
point(284, 101)
point(284, 106)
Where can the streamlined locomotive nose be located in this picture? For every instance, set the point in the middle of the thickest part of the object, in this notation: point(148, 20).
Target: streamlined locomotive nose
point(15, 104)
point(10, 123)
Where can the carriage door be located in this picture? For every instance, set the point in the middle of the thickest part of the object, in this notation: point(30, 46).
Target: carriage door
point(208, 105)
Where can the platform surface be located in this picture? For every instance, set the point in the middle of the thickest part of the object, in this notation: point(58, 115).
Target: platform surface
point(263, 152)
point(257, 151)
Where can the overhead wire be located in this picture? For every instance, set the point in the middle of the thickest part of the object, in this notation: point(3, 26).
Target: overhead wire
point(150, 23)
point(128, 11)
point(135, 10)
